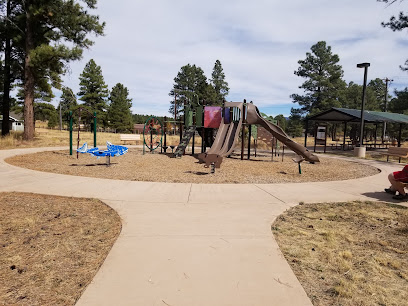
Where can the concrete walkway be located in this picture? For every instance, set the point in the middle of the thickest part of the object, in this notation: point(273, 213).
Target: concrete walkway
point(191, 244)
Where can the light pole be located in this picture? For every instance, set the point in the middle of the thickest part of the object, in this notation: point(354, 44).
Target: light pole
point(365, 66)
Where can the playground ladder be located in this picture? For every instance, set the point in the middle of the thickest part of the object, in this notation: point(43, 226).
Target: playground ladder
point(184, 141)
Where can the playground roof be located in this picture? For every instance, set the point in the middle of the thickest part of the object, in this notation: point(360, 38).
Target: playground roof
point(354, 115)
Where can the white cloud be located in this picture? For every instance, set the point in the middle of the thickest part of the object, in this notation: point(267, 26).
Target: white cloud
point(258, 43)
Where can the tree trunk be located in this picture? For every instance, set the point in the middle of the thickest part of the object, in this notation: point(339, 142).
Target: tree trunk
point(28, 79)
point(5, 129)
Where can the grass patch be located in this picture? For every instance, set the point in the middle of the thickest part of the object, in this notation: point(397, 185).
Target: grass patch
point(51, 247)
point(352, 253)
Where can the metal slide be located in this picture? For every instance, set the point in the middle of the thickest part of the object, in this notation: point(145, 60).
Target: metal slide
point(227, 135)
point(254, 117)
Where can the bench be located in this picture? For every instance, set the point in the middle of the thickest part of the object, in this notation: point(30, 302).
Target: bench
point(129, 137)
point(397, 152)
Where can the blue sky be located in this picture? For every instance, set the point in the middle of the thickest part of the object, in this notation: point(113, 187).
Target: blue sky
point(258, 42)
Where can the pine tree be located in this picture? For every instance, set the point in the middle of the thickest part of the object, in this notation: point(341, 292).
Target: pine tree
point(295, 123)
point(119, 115)
point(11, 67)
point(219, 83)
point(324, 85)
point(190, 86)
point(93, 91)
point(399, 104)
point(397, 24)
point(51, 33)
point(68, 102)
point(374, 96)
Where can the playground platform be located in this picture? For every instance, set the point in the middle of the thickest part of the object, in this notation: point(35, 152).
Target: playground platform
point(191, 244)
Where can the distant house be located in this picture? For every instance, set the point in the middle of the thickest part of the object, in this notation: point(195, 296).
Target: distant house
point(138, 128)
point(16, 122)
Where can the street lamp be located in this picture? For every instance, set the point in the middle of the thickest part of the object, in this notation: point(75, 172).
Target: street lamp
point(365, 66)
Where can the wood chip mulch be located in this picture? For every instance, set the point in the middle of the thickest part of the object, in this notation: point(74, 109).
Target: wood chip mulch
point(135, 166)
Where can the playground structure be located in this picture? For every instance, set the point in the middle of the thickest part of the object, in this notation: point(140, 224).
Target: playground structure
point(235, 115)
point(230, 120)
point(152, 134)
point(112, 150)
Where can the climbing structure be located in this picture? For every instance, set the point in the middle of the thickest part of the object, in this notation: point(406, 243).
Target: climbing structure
point(188, 134)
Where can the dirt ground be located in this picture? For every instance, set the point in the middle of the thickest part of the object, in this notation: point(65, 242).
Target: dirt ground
point(161, 168)
point(347, 253)
point(51, 247)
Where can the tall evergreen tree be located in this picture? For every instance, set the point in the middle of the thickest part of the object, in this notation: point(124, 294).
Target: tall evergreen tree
point(52, 33)
point(375, 92)
point(295, 123)
point(399, 104)
point(93, 91)
point(119, 115)
point(11, 67)
point(397, 24)
point(324, 85)
point(378, 87)
point(190, 86)
point(218, 82)
point(68, 102)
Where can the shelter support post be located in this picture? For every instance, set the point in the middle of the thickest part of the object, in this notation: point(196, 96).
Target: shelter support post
point(375, 136)
point(399, 135)
point(315, 136)
point(344, 135)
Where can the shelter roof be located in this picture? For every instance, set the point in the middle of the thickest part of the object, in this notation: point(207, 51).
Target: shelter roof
point(354, 115)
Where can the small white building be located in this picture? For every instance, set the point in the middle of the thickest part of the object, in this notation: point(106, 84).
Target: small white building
point(16, 122)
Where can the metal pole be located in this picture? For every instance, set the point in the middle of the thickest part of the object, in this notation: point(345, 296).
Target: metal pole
point(94, 129)
point(365, 66)
point(70, 132)
point(243, 131)
point(60, 117)
point(385, 103)
point(79, 128)
point(249, 141)
point(175, 112)
point(165, 134)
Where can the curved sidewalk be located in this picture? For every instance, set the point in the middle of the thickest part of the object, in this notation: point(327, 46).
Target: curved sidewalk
point(192, 244)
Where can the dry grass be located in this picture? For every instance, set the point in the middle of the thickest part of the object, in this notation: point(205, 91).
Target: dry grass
point(51, 247)
point(347, 253)
point(161, 168)
point(51, 138)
